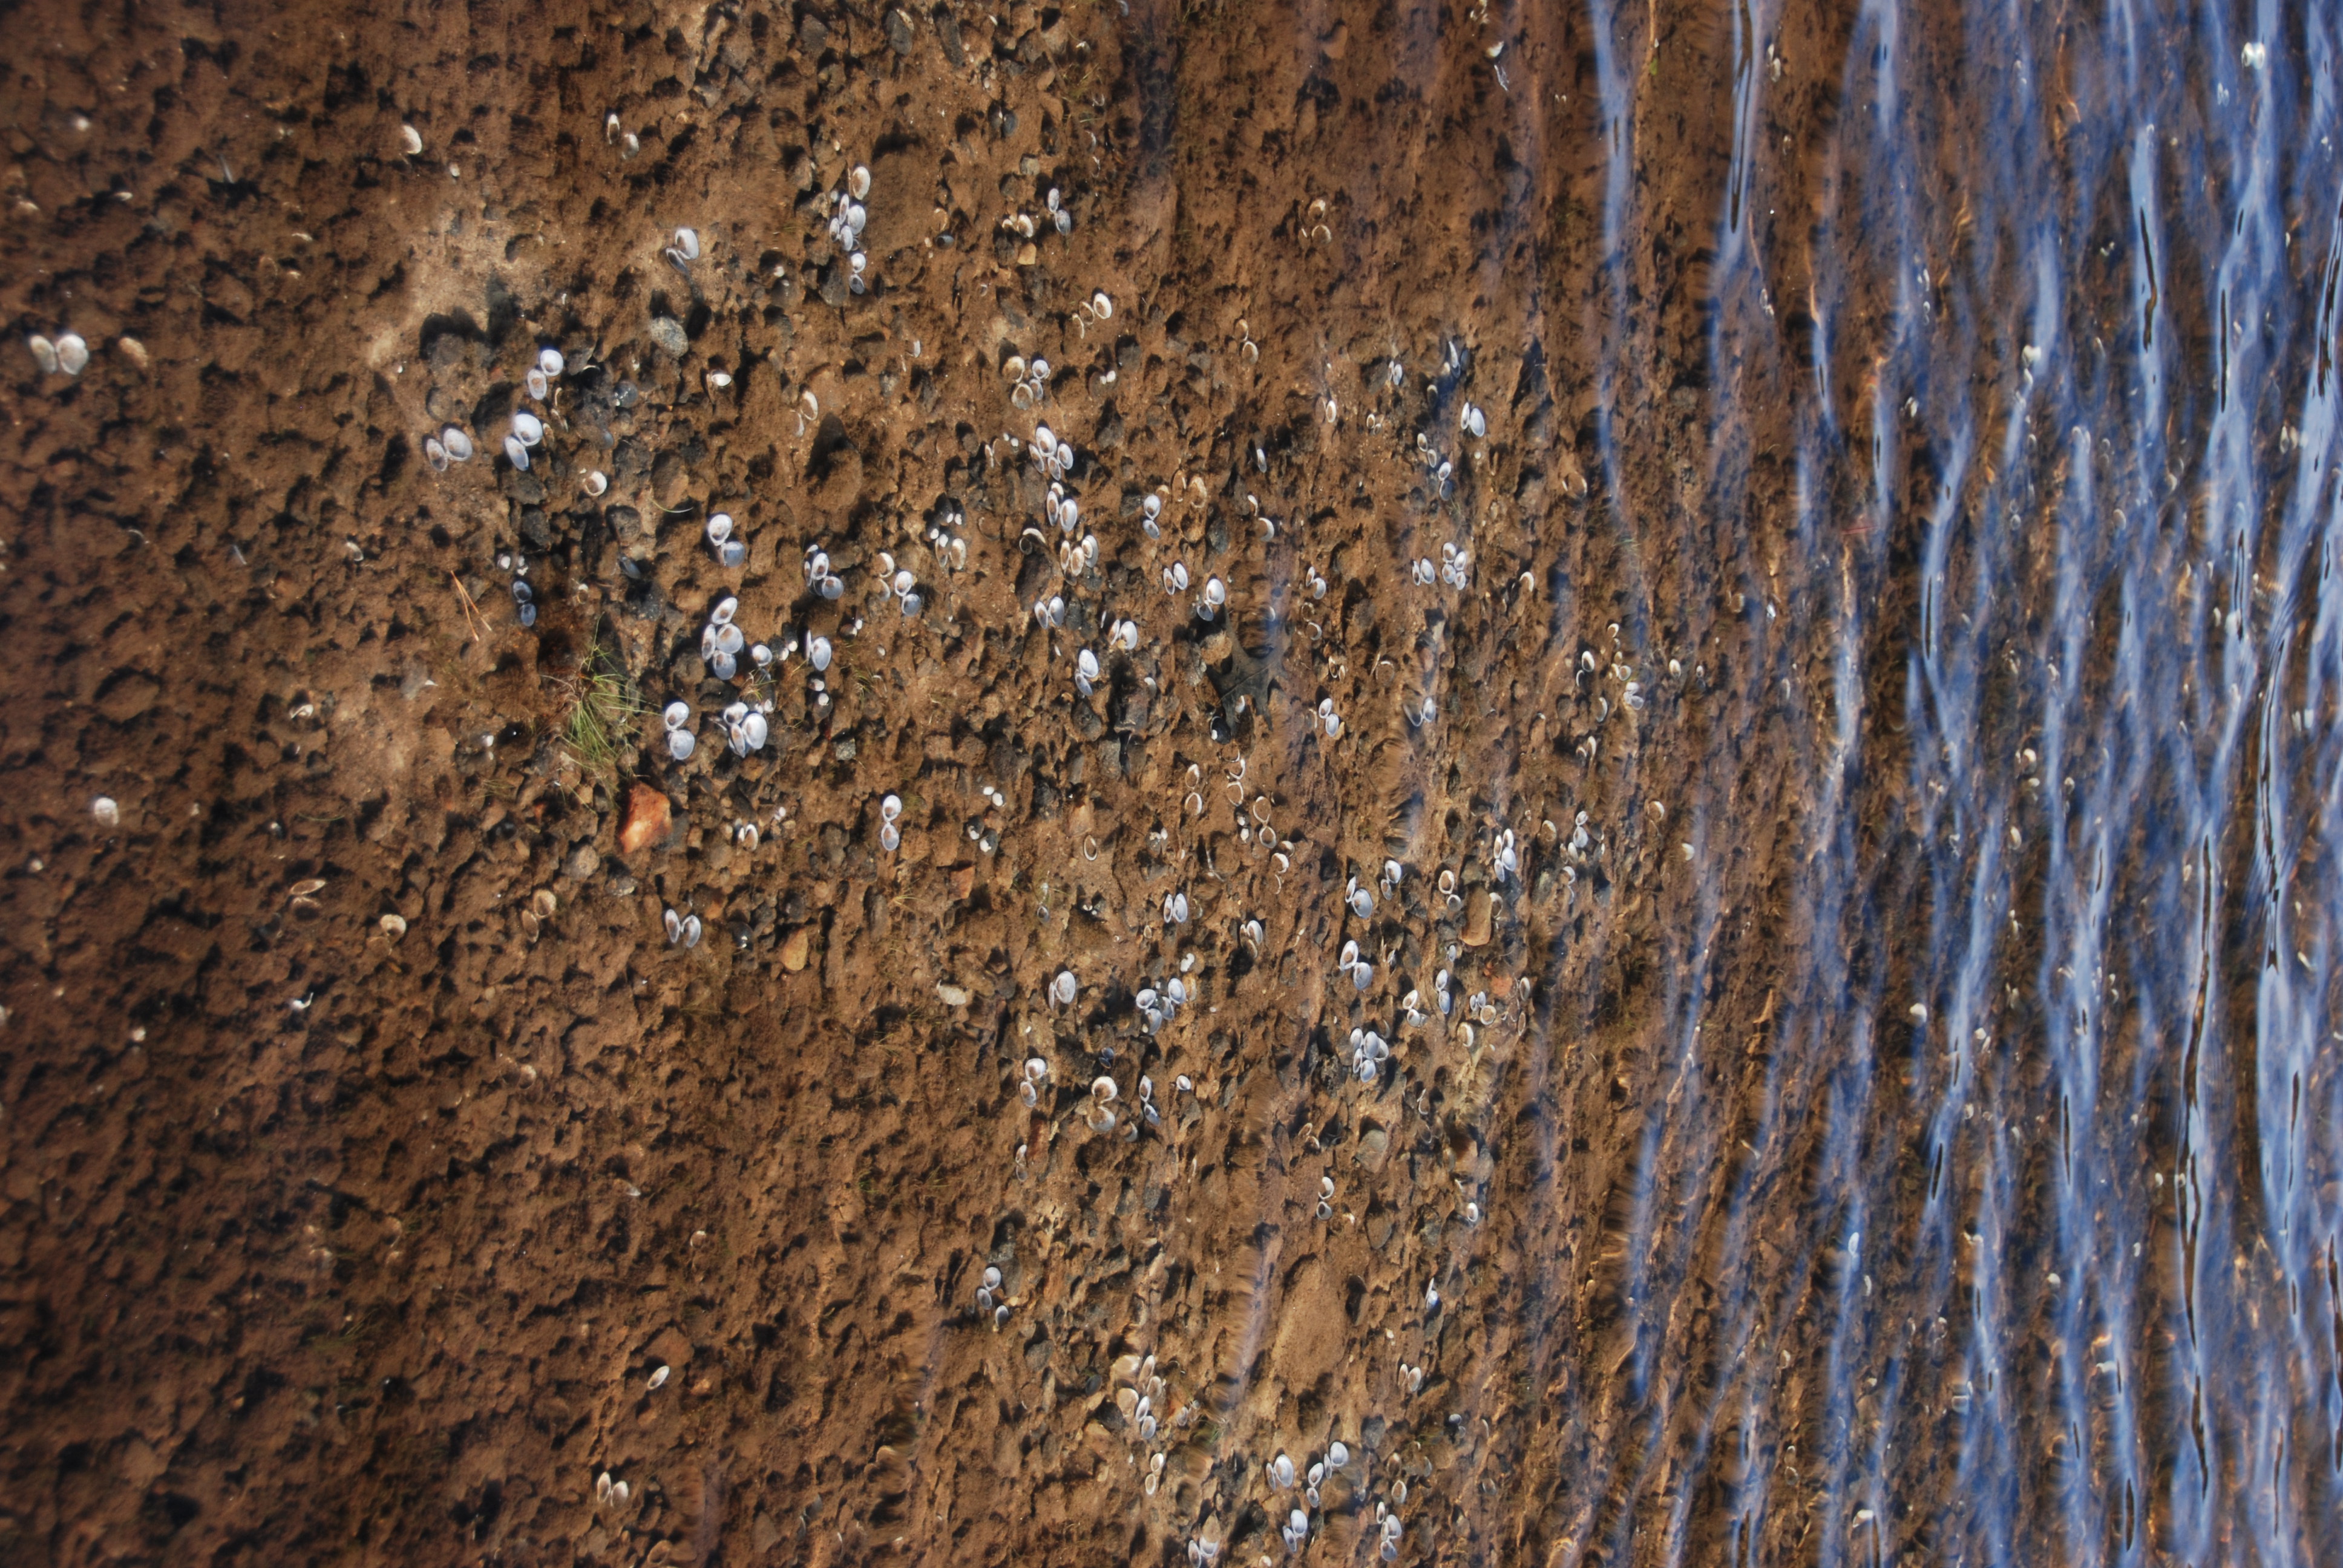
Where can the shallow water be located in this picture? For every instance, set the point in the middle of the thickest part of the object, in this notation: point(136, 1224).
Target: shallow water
point(1904, 1127)
point(2045, 1273)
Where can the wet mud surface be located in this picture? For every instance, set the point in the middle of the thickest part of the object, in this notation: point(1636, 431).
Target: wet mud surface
point(383, 1183)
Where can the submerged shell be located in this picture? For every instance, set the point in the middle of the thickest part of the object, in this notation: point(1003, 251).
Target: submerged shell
point(458, 445)
point(687, 240)
point(595, 482)
point(680, 744)
point(858, 182)
point(529, 428)
point(73, 354)
point(818, 652)
point(516, 453)
point(45, 353)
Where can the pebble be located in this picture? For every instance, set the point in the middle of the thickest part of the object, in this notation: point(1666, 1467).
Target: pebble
point(583, 862)
point(667, 333)
point(650, 815)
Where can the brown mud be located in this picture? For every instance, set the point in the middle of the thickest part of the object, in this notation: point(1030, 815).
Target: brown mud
point(332, 1240)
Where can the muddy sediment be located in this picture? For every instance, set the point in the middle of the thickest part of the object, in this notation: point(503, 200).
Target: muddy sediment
point(371, 1150)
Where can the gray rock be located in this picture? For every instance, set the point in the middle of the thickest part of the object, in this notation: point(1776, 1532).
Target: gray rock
point(667, 333)
point(583, 862)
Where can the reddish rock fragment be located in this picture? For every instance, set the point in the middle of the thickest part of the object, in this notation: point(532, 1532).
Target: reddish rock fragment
point(649, 816)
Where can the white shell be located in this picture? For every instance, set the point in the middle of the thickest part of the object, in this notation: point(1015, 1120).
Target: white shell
point(676, 716)
point(1102, 1089)
point(514, 453)
point(1282, 1469)
point(595, 482)
point(1101, 306)
point(1087, 665)
point(891, 838)
point(108, 813)
point(538, 386)
point(1215, 595)
point(529, 428)
point(690, 923)
point(890, 808)
point(411, 139)
point(680, 744)
point(435, 454)
point(73, 354)
point(720, 528)
point(818, 652)
point(674, 923)
point(458, 445)
point(1061, 990)
point(45, 353)
point(1338, 1456)
point(904, 583)
point(549, 360)
point(659, 1377)
point(857, 181)
point(687, 240)
point(726, 608)
point(756, 729)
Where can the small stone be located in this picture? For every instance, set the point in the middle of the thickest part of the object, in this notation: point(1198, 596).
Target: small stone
point(898, 32)
point(583, 862)
point(649, 816)
point(1476, 919)
point(796, 949)
point(952, 995)
point(667, 333)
